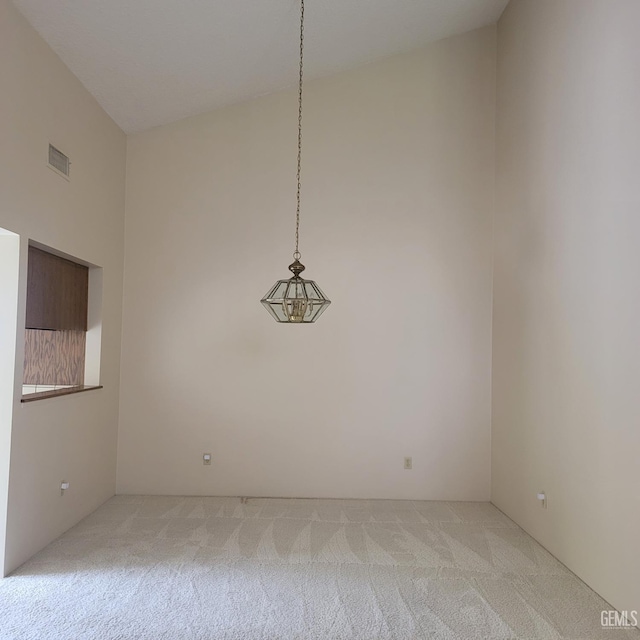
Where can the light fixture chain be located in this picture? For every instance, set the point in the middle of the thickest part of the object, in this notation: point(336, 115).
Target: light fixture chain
point(297, 255)
point(296, 300)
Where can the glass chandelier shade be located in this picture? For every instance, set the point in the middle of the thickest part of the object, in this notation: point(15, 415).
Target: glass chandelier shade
point(295, 300)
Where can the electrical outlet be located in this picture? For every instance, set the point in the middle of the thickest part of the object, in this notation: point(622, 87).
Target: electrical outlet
point(206, 458)
point(408, 463)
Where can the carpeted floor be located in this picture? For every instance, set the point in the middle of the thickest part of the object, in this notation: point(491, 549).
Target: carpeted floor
point(156, 568)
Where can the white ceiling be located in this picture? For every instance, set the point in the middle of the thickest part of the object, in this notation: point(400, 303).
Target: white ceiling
point(150, 62)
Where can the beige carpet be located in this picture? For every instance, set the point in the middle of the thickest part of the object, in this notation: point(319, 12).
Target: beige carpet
point(152, 568)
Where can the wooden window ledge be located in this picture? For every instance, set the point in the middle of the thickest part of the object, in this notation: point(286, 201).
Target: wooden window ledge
point(43, 395)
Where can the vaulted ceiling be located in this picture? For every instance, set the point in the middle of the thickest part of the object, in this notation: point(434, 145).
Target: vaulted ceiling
point(150, 62)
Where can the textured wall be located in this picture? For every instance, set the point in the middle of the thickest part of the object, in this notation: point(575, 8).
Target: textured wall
point(566, 355)
point(396, 229)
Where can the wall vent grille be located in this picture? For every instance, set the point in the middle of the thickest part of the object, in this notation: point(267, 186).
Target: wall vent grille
point(58, 161)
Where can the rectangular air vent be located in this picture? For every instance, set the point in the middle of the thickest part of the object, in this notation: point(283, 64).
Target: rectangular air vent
point(58, 161)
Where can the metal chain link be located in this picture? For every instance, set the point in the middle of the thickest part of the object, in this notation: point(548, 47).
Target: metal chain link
point(296, 254)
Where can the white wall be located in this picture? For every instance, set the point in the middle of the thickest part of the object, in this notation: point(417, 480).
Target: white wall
point(72, 437)
point(398, 173)
point(9, 279)
point(566, 354)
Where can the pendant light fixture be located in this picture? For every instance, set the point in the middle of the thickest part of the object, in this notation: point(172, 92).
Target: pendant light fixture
point(296, 300)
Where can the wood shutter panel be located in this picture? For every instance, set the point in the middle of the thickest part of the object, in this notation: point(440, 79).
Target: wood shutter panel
point(57, 293)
